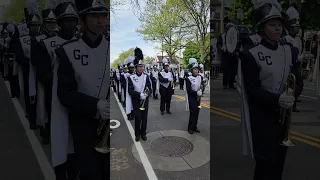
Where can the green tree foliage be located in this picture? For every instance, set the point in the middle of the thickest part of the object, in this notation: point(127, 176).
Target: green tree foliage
point(15, 10)
point(122, 56)
point(160, 23)
point(309, 12)
point(192, 50)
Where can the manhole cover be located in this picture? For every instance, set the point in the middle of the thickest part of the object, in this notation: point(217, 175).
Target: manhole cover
point(172, 146)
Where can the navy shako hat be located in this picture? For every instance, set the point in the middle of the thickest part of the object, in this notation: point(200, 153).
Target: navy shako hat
point(267, 12)
point(66, 9)
point(31, 12)
point(48, 11)
point(48, 15)
point(92, 7)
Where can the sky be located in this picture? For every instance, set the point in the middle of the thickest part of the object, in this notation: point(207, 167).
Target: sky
point(123, 35)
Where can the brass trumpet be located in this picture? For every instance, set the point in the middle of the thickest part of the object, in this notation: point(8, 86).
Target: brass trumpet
point(199, 97)
point(146, 91)
point(286, 114)
point(103, 133)
point(172, 84)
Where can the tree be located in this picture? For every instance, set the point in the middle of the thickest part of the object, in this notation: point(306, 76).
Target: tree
point(161, 23)
point(308, 12)
point(122, 56)
point(147, 60)
point(196, 14)
point(191, 51)
point(15, 10)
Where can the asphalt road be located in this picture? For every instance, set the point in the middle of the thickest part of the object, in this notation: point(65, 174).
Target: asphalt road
point(227, 160)
point(178, 120)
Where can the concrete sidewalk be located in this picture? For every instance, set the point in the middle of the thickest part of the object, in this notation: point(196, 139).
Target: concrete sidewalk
point(171, 151)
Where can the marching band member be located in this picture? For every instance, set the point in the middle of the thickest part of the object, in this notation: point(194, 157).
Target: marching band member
point(43, 100)
point(123, 83)
point(181, 79)
point(194, 84)
point(228, 60)
point(112, 78)
point(201, 73)
point(10, 65)
point(129, 108)
point(293, 27)
point(155, 81)
point(57, 126)
point(23, 57)
point(83, 88)
point(265, 68)
point(166, 80)
point(117, 78)
point(139, 88)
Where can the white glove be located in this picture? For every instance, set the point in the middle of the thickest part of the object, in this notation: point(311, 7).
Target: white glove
point(143, 96)
point(286, 101)
point(170, 79)
point(199, 93)
point(104, 109)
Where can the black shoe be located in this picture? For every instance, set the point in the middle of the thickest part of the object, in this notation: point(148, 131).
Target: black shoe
point(225, 87)
point(190, 131)
point(144, 137)
point(196, 130)
point(298, 101)
point(27, 116)
point(169, 112)
point(137, 139)
point(13, 96)
point(295, 109)
point(33, 126)
point(162, 113)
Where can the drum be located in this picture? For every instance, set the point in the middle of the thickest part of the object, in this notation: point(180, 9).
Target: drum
point(234, 37)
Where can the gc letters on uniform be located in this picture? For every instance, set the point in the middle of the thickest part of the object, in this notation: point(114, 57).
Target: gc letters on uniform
point(264, 58)
point(78, 56)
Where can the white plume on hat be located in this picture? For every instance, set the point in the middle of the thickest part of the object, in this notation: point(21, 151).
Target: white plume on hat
point(258, 3)
point(50, 4)
point(32, 6)
point(10, 28)
point(292, 13)
point(130, 60)
point(120, 63)
point(164, 60)
point(201, 66)
point(192, 60)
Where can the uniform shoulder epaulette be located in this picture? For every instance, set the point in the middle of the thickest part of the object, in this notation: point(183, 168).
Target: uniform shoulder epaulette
point(70, 41)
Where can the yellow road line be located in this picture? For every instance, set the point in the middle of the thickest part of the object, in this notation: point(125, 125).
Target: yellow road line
point(236, 117)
